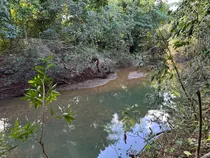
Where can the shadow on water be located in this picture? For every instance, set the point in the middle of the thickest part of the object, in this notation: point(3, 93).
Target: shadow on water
point(98, 129)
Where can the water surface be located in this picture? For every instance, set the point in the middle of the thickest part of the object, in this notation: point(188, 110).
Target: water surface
point(97, 131)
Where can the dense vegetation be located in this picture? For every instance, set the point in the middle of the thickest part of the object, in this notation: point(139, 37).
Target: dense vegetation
point(183, 73)
point(175, 45)
point(75, 32)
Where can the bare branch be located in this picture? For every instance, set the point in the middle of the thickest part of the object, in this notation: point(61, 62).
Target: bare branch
point(200, 124)
point(43, 121)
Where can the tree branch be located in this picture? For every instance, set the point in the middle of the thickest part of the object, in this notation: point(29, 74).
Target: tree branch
point(200, 124)
point(156, 134)
point(43, 121)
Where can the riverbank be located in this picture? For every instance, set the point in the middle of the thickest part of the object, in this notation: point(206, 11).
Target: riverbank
point(114, 82)
point(176, 143)
point(134, 73)
point(89, 82)
point(74, 68)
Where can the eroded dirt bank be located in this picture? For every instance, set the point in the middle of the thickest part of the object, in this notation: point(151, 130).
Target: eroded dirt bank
point(73, 69)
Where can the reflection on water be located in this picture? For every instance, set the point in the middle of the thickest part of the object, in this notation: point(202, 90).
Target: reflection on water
point(97, 130)
point(3, 124)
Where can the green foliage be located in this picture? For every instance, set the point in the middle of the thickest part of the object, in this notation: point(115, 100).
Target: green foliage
point(23, 133)
point(117, 25)
point(68, 117)
point(66, 114)
point(8, 29)
point(180, 43)
point(190, 17)
point(172, 150)
point(33, 16)
point(42, 89)
point(190, 31)
point(3, 144)
point(43, 92)
point(5, 147)
point(187, 153)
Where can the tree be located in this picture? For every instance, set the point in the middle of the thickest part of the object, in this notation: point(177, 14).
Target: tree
point(8, 29)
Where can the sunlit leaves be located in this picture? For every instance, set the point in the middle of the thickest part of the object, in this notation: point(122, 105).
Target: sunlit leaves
point(22, 133)
point(40, 70)
point(190, 16)
point(51, 94)
point(180, 43)
point(172, 150)
point(208, 139)
point(8, 29)
point(68, 117)
point(42, 86)
point(118, 25)
point(187, 153)
point(66, 113)
point(33, 96)
point(33, 16)
point(36, 81)
point(22, 11)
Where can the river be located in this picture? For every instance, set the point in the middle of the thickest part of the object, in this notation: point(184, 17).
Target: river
point(97, 131)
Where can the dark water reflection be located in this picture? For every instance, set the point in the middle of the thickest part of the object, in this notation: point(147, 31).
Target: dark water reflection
point(97, 130)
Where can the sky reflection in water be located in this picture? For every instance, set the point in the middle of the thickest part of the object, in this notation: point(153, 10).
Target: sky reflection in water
point(94, 110)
